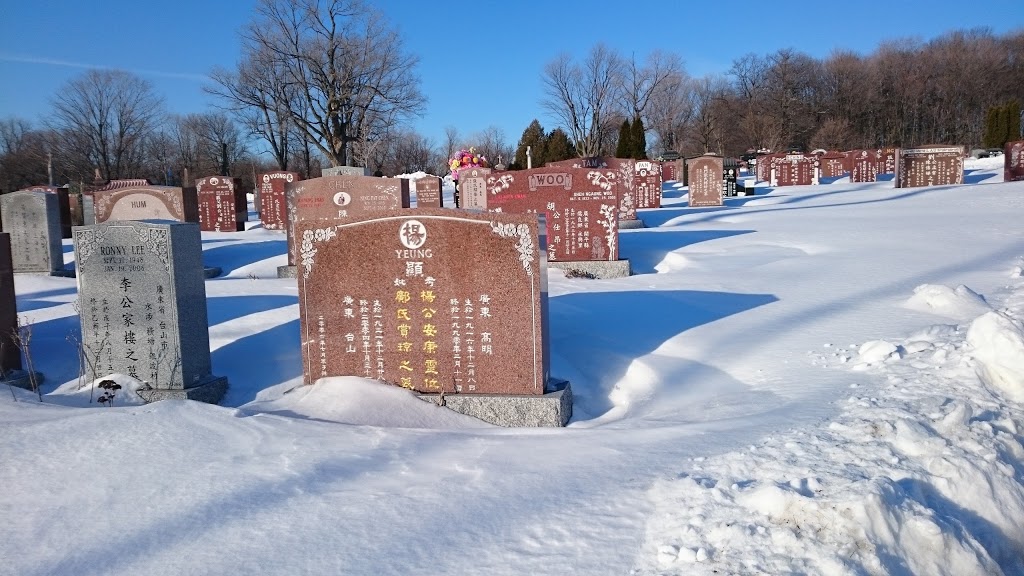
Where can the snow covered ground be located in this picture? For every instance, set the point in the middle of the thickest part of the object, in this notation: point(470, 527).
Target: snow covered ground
point(811, 380)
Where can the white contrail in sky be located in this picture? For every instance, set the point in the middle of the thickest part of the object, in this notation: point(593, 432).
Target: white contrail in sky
point(54, 62)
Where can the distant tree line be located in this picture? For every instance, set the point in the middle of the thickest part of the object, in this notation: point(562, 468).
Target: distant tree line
point(329, 82)
point(905, 93)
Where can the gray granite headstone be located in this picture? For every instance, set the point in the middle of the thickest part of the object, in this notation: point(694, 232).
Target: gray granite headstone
point(345, 171)
point(88, 209)
point(33, 221)
point(142, 299)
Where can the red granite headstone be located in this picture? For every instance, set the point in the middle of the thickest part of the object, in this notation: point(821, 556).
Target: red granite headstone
point(647, 182)
point(934, 165)
point(794, 170)
point(704, 174)
point(273, 201)
point(887, 158)
point(1013, 161)
point(668, 171)
point(331, 197)
point(63, 202)
point(10, 356)
point(77, 209)
point(622, 170)
point(579, 205)
point(428, 192)
point(147, 203)
point(429, 300)
point(863, 165)
point(833, 164)
point(222, 204)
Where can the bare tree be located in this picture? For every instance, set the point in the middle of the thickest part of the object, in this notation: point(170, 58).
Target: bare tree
point(581, 96)
point(23, 154)
point(258, 96)
point(670, 110)
point(639, 84)
point(493, 145)
point(341, 58)
point(107, 114)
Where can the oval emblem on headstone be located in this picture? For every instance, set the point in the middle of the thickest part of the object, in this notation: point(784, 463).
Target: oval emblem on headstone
point(266, 177)
point(412, 234)
point(214, 181)
point(342, 199)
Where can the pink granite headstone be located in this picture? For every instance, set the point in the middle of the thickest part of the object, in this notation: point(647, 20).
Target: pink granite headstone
point(341, 196)
point(147, 203)
point(704, 174)
point(430, 300)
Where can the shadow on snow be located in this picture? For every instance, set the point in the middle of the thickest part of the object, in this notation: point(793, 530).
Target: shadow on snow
point(647, 319)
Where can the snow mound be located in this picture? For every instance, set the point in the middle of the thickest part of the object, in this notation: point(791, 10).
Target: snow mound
point(998, 348)
point(960, 303)
point(877, 352)
point(363, 402)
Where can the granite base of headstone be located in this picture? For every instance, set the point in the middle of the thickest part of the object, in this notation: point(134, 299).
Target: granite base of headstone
point(392, 297)
point(553, 409)
point(631, 224)
point(143, 307)
point(597, 269)
point(286, 271)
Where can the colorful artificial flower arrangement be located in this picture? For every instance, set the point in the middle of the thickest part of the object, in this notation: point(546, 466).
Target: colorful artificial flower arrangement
point(466, 159)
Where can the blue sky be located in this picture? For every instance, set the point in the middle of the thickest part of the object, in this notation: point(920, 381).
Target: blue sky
point(480, 62)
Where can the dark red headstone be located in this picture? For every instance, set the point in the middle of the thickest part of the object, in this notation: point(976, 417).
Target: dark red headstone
point(273, 200)
point(580, 206)
point(222, 204)
point(10, 355)
point(887, 158)
point(1013, 161)
point(63, 203)
point(428, 192)
point(704, 174)
point(794, 170)
point(668, 171)
point(934, 165)
point(77, 210)
point(394, 297)
point(341, 196)
point(833, 164)
point(647, 183)
point(147, 203)
point(863, 165)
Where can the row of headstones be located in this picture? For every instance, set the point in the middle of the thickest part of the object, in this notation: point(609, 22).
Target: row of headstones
point(933, 165)
point(414, 311)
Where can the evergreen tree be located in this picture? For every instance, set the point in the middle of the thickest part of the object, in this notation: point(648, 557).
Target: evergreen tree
point(625, 146)
point(535, 138)
point(558, 147)
point(639, 140)
point(1012, 122)
point(991, 138)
